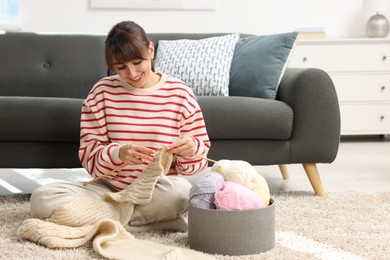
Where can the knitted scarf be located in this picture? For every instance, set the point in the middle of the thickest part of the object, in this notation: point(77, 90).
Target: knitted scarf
point(102, 221)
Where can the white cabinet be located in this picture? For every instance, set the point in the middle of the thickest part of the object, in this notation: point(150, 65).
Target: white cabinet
point(360, 70)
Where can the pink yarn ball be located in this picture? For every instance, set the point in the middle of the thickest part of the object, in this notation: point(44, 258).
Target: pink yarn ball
point(233, 196)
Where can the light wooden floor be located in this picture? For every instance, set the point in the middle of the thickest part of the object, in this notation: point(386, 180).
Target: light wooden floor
point(362, 164)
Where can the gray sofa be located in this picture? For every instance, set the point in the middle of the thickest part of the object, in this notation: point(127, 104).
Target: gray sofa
point(44, 79)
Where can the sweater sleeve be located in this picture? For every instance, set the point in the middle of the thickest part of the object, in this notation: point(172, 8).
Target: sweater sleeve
point(96, 153)
point(194, 126)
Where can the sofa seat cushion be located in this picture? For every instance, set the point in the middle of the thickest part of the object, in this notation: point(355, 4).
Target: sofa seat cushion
point(246, 118)
point(40, 119)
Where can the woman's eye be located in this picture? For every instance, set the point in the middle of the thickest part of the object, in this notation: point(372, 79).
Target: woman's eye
point(137, 62)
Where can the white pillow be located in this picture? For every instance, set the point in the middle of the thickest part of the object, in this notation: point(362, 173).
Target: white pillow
point(203, 64)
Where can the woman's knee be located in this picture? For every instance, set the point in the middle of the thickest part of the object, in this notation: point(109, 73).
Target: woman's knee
point(176, 186)
point(176, 192)
point(46, 199)
point(39, 203)
point(169, 201)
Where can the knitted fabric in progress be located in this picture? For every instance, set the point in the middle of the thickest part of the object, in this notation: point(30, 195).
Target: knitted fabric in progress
point(103, 221)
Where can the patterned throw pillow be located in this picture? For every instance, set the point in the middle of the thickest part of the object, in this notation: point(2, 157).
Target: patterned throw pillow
point(203, 64)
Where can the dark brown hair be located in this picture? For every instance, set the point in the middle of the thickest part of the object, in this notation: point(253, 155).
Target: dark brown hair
point(126, 41)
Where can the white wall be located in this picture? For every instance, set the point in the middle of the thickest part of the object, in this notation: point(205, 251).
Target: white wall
point(339, 18)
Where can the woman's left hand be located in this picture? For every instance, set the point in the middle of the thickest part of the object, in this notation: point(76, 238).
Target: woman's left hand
point(184, 146)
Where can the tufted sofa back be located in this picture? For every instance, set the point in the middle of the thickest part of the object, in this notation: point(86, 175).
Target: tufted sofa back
point(44, 65)
point(59, 65)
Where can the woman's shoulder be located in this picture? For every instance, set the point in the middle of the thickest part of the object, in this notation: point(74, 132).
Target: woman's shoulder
point(176, 84)
point(109, 82)
point(113, 80)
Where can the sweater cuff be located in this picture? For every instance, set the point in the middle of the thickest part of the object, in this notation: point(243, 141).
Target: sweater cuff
point(200, 147)
point(115, 155)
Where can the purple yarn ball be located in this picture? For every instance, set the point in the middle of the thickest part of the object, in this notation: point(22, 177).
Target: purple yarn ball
point(202, 192)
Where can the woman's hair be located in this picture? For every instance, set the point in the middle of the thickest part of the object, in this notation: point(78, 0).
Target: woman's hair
point(126, 41)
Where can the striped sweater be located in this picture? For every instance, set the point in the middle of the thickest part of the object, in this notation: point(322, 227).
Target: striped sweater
point(115, 113)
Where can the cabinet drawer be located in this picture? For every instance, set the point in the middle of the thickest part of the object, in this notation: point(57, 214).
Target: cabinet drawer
point(365, 119)
point(362, 87)
point(342, 57)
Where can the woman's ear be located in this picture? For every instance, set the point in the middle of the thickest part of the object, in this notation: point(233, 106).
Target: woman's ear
point(151, 50)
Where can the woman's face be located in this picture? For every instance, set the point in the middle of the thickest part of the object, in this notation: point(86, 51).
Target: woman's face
point(137, 72)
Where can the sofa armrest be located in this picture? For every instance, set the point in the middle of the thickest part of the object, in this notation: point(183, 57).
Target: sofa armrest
point(316, 132)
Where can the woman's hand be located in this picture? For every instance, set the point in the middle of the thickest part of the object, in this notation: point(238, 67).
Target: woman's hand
point(184, 146)
point(135, 154)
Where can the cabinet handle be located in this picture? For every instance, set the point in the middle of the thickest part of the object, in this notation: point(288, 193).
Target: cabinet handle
point(382, 118)
point(383, 88)
point(384, 57)
point(304, 59)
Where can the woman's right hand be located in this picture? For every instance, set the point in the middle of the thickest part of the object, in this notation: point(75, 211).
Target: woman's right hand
point(131, 154)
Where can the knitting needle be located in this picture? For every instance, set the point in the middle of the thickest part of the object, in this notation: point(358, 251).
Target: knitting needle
point(104, 175)
point(120, 168)
point(204, 158)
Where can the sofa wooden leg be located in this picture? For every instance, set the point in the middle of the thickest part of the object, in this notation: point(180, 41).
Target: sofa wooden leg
point(283, 169)
point(314, 177)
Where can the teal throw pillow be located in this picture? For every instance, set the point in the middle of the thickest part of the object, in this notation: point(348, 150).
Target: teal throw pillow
point(259, 63)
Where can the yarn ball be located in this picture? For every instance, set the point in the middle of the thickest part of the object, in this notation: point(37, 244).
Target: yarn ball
point(202, 192)
point(233, 196)
point(243, 173)
point(262, 190)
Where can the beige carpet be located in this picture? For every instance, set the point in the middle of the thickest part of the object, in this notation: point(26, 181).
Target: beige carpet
point(340, 226)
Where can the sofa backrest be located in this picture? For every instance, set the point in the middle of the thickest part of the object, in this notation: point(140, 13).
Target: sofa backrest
point(48, 65)
point(60, 65)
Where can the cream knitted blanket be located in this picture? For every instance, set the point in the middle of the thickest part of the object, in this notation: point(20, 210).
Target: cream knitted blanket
point(102, 222)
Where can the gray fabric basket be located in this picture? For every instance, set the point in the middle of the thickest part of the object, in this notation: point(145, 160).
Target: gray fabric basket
point(242, 232)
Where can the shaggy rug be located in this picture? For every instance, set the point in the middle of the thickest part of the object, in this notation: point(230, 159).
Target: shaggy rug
point(341, 226)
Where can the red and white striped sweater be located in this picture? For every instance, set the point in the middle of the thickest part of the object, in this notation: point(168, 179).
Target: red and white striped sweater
point(115, 113)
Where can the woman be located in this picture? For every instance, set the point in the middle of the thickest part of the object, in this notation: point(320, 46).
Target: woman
point(124, 120)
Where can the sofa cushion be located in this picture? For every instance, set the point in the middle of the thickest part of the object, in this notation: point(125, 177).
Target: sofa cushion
point(259, 63)
point(203, 64)
point(246, 118)
point(40, 119)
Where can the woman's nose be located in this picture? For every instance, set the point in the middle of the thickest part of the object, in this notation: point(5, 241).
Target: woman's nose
point(131, 71)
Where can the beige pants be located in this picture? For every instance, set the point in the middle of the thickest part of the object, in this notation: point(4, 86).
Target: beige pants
point(165, 211)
